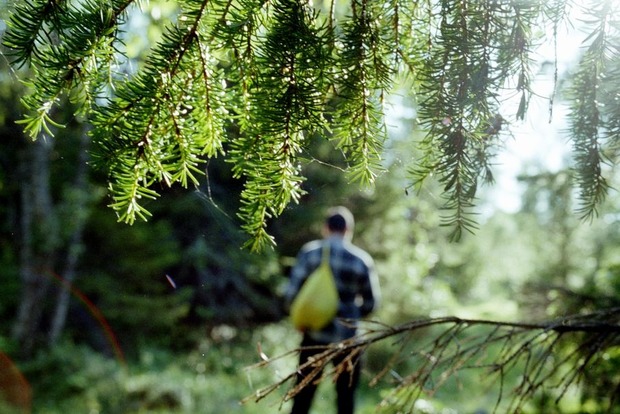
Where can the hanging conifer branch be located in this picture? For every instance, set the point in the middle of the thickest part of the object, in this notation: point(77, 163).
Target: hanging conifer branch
point(363, 76)
point(252, 80)
point(286, 104)
point(171, 107)
point(520, 49)
point(460, 97)
point(70, 49)
point(586, 118)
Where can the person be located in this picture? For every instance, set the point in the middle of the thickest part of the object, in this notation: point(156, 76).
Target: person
point(356, 281)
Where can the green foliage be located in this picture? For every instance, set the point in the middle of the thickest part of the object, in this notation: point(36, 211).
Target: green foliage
point(213, 377)
point(367, 61)
point(256, 82)
point(82, 372)
point(287, 94)
point(70, 49)
point(594, 117)
point(137, 300)
point(461, 85)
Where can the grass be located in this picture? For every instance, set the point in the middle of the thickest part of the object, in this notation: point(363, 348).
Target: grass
point(214, 377)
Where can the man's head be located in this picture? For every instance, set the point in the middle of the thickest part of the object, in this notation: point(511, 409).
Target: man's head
point(339, 221)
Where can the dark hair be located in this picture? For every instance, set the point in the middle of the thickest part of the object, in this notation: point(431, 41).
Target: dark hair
point(339, 219)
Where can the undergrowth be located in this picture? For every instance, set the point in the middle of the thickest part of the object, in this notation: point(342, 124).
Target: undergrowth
point(213, 377)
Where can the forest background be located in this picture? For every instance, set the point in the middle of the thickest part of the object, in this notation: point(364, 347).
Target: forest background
point(171, 315)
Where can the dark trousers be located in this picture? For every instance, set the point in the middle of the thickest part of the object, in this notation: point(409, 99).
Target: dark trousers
point(346, 383)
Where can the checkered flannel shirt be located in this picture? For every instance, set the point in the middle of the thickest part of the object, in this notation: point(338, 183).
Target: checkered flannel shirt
point(356, 280)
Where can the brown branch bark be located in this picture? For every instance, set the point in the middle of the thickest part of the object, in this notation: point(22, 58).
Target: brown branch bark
point(553, 353)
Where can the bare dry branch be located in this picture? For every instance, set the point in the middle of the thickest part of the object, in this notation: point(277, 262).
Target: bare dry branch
point(548, 355)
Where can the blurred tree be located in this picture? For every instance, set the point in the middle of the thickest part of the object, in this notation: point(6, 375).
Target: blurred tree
point(13, 145)
point(44, 228)
point(77, 198)
point(282, 74)
point(39, 241)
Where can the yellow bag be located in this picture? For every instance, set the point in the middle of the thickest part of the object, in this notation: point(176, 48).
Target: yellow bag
point(316, 304)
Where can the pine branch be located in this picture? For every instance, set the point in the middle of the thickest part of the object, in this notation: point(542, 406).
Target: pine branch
point(29, 28)
point(173, 107)
point(458, 101)
point(259, 77)
point(365, 75)
point(516, 51)
point(286, 103)
point(70, 49)
point(586, 120)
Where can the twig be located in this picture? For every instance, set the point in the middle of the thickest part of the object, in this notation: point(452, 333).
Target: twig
point(533, 348)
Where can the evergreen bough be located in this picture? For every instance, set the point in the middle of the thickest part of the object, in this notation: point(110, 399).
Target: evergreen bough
point(254, 81)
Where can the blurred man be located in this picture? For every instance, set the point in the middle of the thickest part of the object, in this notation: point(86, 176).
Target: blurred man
point(356, 281)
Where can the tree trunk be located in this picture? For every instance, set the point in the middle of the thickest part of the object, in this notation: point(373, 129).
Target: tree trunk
point(77, 204)
point(39, 237)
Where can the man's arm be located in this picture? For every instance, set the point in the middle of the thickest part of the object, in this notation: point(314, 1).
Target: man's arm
point(369, 290)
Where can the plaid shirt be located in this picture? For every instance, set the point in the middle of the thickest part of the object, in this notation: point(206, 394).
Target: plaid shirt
point(356, 280)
